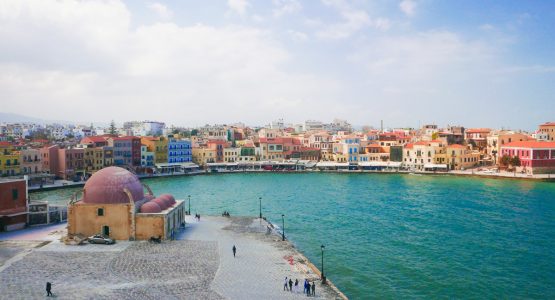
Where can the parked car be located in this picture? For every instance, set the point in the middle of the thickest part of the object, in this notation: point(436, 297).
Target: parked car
point(99, 239)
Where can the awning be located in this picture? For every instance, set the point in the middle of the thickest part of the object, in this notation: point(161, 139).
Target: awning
point(435, 166)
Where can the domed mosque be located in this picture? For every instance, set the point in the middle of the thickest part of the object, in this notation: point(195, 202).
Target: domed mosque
point(114, 204)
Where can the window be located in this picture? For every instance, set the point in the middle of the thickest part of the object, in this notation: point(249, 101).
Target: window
point(15, 194)
point(100, 212)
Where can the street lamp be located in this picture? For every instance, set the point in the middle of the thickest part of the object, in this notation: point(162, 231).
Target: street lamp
point(189, 205)
point(283, 227)
point(260, 205)
point(323, 276)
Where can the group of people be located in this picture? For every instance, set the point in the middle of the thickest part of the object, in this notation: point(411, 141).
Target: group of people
point(197, 217)
point(226, 214)
point(309, 289)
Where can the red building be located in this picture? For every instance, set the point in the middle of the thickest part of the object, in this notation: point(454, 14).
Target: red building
point(13, 204)
point(95, 141)
point(535, 157)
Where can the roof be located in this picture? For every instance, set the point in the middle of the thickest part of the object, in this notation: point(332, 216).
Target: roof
point(548, 124)
point(530, 144)
point(5, 143)
point(456, 146)
point(477, 130)
point(95, 139)
point(124, 138)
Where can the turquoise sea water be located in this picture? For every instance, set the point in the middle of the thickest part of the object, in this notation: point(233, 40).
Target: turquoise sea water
point(397, 236)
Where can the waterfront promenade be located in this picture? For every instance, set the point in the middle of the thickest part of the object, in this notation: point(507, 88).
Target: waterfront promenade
point(198, 265)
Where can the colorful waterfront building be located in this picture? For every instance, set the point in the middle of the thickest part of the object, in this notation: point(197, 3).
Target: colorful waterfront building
point(9, 160)
point(535, 157)
point(218, 146)
point(127, 150)
point(498, 138)
point(158, 145)
point(421, 156)
point(147, 157)
point(204, 155)
point(457, 157)
point(31, 161)
point(179, 151)
point(231, 154)
point(71, 163)
point(477, 137)
point(549, 129)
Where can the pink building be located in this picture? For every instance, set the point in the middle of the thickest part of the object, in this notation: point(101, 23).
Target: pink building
point(535, 157)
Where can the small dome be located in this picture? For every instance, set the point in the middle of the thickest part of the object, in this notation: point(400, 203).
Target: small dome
point(161, 202)
point(168, 199)
point(150, 208)
point(108, 185)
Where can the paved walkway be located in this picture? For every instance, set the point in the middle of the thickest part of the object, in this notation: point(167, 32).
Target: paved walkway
point(261, 264)
point(200, 265)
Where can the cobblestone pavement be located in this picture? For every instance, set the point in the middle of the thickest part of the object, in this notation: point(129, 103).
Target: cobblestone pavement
point(200, 265)
point(171, 270)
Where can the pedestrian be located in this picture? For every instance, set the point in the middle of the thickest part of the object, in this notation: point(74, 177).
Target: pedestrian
point(313, 288)
point(48, 289)
point(285, 284)
point(296, 285)
point(234, 250)
point(290, 285)
point(304, 287)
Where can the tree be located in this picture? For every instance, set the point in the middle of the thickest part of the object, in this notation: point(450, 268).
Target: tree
point(515, 161)
point(505, 160)
point(112, 129)
point(194, 132)
point(435, 135)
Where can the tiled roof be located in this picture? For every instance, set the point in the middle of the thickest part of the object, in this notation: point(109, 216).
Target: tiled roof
point(477, 130)
point(456, 146)
point(530, 144)
point(548, 124)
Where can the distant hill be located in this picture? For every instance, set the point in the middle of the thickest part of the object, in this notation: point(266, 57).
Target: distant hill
point(16, 118)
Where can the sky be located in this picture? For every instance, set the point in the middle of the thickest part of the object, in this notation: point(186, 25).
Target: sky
point(189, 63)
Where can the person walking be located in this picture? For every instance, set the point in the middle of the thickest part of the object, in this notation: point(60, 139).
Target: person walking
point(48, 289)
point(290, 285)
point(296, 285)
point(314, 289)
point(234, 250)
point(304, 290)
point(285, 284)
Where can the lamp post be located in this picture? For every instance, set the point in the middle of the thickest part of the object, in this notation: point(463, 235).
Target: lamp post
point(323, 276)
point(260, 206)
point(283, 227)
point(189, 205)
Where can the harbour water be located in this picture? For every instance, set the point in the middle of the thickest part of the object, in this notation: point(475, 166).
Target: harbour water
point(396, 236)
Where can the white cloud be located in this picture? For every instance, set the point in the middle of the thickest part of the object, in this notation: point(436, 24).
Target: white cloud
point(238, 6)
point(354, 20)
point(161, 10)
point(297, 35)
point(284, 7)
point(84, 61)
point(408, 7)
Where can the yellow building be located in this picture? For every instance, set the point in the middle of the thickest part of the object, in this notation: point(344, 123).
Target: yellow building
point(10, 164)
point(158, 145)
point(202, 156)
point(458, 157)
point(114, 204)
point(231, 154)
point(94, 159)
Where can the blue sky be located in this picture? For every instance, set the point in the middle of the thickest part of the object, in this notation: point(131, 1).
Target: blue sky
point(408, 62)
